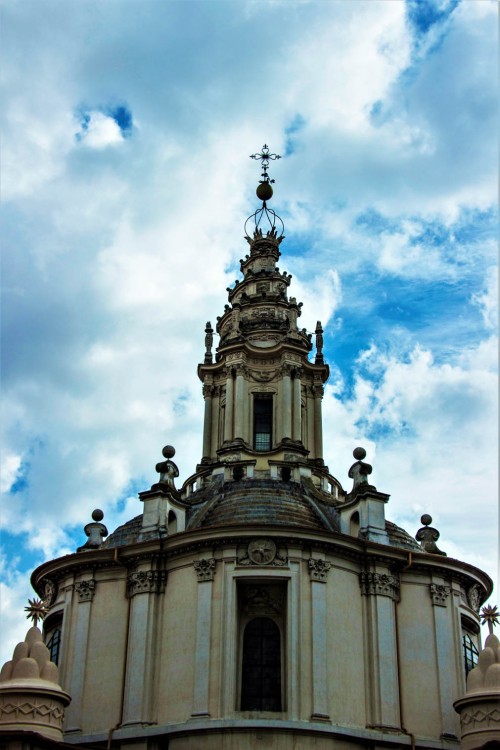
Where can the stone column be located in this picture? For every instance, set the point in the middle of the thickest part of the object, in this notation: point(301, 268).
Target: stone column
point(318, 570)
point(205, 570)
point(286, 403)
point(318, 422)
point(84, 593)
point(239, 402)
point(382, 591)
point(207, 422)
point(228, 421)
point(144, 585)
point(297, 408)
point(445, 652)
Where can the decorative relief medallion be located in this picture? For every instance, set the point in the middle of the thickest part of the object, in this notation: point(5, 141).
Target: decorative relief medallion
point(261, 552)
point(85, 590)
point(146, 582)
point(205, 569)
point(49, 592)
point(379, 584)
point(318, 569)
point(474, 597)
point(439, 594)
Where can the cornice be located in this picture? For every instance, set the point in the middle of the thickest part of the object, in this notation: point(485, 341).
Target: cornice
point(364, 552)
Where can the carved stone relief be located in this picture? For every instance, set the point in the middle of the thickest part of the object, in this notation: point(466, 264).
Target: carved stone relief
point(49, 592)
point(146, 582)
point(262, 600)
point(439, 594)
point(261, 552)
point(85, 590)
point(474, 597)
point(205, 569)
point(379, 584)
point(318, 569)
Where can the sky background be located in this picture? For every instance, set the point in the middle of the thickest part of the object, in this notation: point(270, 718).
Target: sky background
point(127, 127)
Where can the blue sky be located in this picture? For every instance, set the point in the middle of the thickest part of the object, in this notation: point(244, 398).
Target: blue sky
point(126, 183)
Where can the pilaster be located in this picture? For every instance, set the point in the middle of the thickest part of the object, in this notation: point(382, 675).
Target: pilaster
point(318, 571)
point(381, 591)
point(144, 586)
point(205, 571)
point(82, 601)
point(445, 655)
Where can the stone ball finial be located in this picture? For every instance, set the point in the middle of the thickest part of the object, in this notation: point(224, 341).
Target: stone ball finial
point(359, 454)
point(428, 536)
point(426, 519)
point(264, 191)
point(168, 451)
point(97, 515)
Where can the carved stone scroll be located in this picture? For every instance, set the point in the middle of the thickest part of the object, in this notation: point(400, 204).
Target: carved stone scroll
point(439, 594)
point(85, 590)
point(146, 582)
point(379, 584)
point(205, 569)
point(318, 569)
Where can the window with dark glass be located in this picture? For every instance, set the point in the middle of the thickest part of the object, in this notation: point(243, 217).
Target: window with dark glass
point(261, 666)
point(52, 629)
point(471, 653)
point(262, 422)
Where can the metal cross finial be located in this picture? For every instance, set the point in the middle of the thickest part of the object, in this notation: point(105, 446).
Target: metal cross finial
point(264, 158)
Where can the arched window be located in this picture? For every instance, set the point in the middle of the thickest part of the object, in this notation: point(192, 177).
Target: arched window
point(354, 524)
point(261, 666)
point(172, 522)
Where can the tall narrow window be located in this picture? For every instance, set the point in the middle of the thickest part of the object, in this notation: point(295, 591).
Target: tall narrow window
point(471, 654)
point(52, 629)
point(261, 667)
point(262, 422)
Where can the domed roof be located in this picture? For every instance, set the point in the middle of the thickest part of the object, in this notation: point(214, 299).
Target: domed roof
point(259, 502)
point(266, 501)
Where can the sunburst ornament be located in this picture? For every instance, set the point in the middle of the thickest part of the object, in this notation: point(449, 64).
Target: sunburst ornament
point(491, 615)
point(36, 610)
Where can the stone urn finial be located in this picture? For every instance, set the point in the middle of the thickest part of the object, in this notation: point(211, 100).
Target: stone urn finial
point(31, 698)
point(428, 536)
point(359, 471)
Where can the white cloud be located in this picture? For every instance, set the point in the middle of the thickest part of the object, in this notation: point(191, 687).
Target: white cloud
point(100, 131)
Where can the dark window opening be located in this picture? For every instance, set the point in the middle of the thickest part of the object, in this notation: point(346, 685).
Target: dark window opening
point(471, 653)
point(54, 645)
point(262, 422)
point(261, 667)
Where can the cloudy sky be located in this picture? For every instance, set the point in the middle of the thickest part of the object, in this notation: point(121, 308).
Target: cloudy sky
point(127, 127)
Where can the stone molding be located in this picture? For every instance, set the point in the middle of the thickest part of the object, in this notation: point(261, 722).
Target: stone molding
point(480, 715)
point(205, 569)
point(439, 594)
point(48, 711)
point(379, 584)
point(318, 569)
point(146, 582)
point(85, 590)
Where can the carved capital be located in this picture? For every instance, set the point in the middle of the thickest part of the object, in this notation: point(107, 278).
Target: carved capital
point(318, 569)
point(85, 590)
point(208, 390)
point(379, 584)
point(439, 594)
point(205, 569)
point(146, 582)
